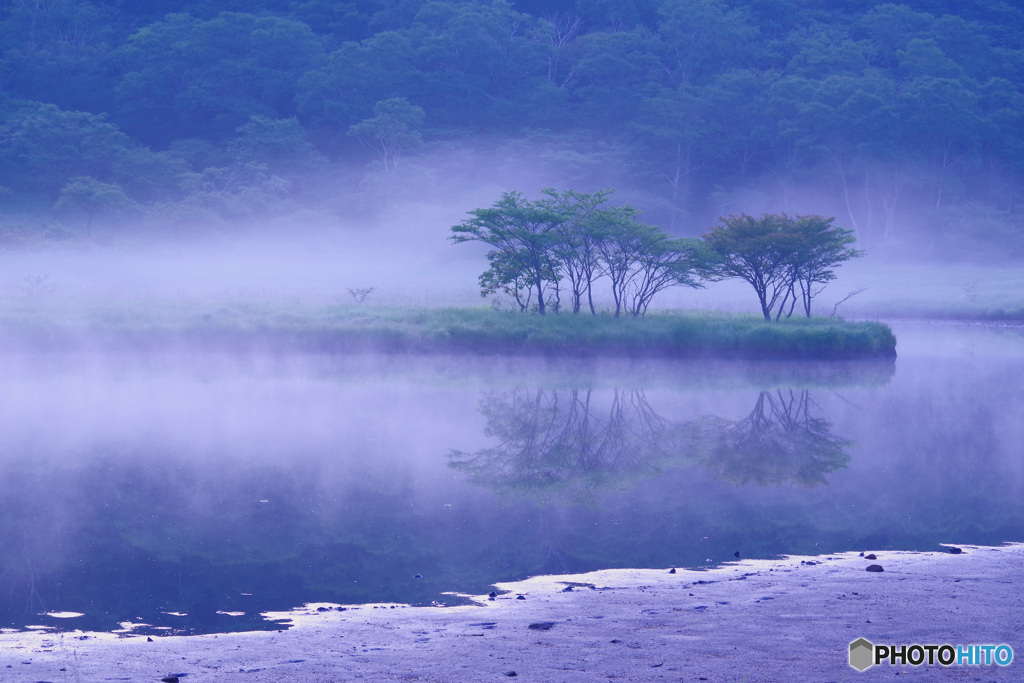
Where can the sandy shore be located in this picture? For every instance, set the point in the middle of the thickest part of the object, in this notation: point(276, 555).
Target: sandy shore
point(753, 620)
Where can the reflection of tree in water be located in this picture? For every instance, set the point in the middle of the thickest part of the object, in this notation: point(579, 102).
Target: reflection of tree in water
point(568, 443)
point(572, 445)
point(780, 441)
point(21, 584)
point(29, 552)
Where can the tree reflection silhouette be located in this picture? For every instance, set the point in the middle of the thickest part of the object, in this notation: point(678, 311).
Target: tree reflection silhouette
point(779, 442)
point(21, 583)
point(564, 443)
point(571, 444)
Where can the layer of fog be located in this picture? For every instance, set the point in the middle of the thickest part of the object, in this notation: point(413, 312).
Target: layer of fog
point(954, 401)
point(215, 446)
point(202, 428)
point(390, 233)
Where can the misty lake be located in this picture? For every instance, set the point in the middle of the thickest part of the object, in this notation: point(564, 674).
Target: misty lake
point(189, 493)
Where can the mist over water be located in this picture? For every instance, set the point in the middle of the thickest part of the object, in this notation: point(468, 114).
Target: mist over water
point(311, 266)
point(196, 207)
point(169, 489)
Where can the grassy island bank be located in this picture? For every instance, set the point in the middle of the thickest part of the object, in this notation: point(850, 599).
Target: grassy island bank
point(348, 329)
point(663, 334)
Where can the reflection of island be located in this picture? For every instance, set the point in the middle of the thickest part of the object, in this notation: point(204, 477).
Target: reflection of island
point(568, 442)
point(780, 441)
point(571, 444)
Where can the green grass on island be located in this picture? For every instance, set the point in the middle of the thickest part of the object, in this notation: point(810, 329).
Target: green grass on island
point(395, 329)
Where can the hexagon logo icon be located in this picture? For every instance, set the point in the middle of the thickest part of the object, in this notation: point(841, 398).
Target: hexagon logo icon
point(862, 654)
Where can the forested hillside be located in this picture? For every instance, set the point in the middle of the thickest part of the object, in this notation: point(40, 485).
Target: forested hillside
point(905, 121)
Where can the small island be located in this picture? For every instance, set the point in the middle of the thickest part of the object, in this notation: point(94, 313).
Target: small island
point(661, 334)
point(365, 328)
point(546, 256)
point(568, 274)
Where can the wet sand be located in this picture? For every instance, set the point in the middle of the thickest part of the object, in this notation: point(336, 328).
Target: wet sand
point(752, 620)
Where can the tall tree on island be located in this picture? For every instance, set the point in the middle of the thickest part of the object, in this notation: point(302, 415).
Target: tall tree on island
point(571, 236)
point(778, 254)
point(521, 233)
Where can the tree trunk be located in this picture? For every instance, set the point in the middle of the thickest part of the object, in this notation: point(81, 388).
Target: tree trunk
point(846, 196)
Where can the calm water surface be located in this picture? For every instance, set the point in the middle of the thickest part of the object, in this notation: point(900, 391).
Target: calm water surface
point(191, 493)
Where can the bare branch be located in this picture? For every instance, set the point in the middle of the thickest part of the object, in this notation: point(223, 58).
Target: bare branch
point(848, 296)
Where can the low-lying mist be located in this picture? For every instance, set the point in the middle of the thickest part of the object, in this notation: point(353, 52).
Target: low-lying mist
point(384, 240)
point(166, 484)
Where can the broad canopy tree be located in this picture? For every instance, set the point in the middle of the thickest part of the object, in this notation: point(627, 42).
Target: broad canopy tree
point(818, 247)
point(577, 244)
point(785, 259)
point(91, 197)
point(394, 129)
point(642, 260)
point(521, 234)
point(750, 248)
point(573, 238)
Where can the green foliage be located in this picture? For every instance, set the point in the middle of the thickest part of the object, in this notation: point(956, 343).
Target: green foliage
point(42, 146)
point(641, 260)
point(701, 37)
point(572, 237)
point(185, 74)
point(56, 52)
point(357, 75)
point(576, 245)
point(279, 143)
point(778, 254)
point(485, 55)
point(611, 71)
point(522, 234)
point(506, 275)
point(91, 198)
point(239, 190)
point(816, 247)
point(751, 249)
point(393, 130)
point(880, 109)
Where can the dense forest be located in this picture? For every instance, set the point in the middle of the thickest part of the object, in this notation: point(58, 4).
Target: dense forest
point(905, 121)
